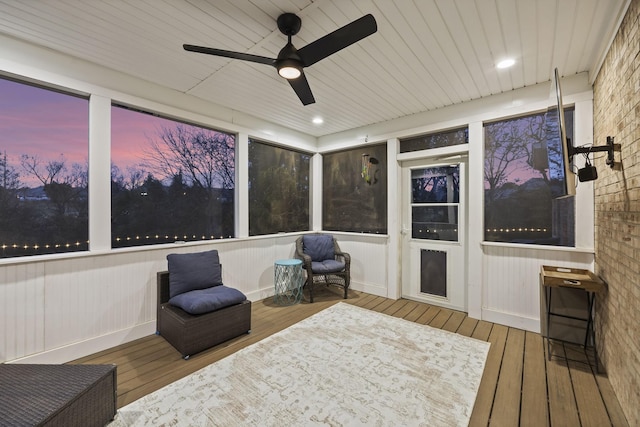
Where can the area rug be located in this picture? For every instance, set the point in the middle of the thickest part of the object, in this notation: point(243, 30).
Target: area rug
point(344, 366)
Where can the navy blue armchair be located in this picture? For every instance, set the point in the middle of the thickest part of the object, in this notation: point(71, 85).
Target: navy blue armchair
point(323, 262)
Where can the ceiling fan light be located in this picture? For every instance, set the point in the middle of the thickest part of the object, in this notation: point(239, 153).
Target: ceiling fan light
point(289, 72)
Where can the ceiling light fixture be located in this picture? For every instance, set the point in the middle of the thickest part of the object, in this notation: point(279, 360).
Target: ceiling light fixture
point(318, 120)
point(506, 63)
point(289, 68)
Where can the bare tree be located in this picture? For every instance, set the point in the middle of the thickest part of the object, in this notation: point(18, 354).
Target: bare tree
point(133, 179)
point(62, 185)
point(205, 162)
point(504, 145)
point(9, 177)
point(9, 185)
point(205, 158)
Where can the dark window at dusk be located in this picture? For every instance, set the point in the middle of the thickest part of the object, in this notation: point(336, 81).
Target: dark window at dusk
point(523, 179)
point(170, 181)
point(435, 140)
point(354, 190)
point(278, 189)
point(44, 142)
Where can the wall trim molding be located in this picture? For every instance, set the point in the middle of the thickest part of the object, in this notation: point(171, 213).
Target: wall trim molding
point(80, 349)
point(512, 320)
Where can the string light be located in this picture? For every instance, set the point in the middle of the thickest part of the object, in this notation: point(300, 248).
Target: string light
point(46, 247)
point(513, 230)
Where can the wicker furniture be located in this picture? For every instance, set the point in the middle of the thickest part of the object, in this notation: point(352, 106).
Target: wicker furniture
point(57, 395)
point(189, 333)
point(334, 270)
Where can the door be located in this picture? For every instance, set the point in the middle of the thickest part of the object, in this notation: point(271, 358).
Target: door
point(433, 232)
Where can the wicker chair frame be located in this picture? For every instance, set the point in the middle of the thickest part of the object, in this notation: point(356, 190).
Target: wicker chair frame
point(191, 334)
point(340, 279)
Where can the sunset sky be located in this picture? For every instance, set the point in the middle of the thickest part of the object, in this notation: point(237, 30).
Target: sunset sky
point(48, 124)
point(41, 123)
point(130, 134)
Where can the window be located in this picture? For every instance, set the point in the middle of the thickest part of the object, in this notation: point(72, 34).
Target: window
point(170, 181)
point(435, 198)
point(44, 140)
point(354, 190)
point(278, 189)
point(435, 140)
point(523, 179)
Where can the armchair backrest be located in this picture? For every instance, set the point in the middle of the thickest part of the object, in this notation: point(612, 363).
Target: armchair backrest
point(319, 247)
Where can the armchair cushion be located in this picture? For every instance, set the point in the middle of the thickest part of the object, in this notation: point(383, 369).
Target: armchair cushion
point(318, 247)
point(205, 300)
point(189, 272)
point(327, 266)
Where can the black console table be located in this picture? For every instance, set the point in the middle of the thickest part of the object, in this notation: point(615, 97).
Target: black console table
point(573, 278)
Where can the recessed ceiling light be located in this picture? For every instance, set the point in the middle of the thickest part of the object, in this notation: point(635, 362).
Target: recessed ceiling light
point(317, 120)
point(506, 63)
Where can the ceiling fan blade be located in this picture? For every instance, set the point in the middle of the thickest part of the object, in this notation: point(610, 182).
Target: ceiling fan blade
point(230, 54)
point(338, 40)
point(302, 89)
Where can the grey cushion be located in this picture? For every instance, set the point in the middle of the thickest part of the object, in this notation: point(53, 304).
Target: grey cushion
point(327, 266)
point(318, 247)
point(205, 300)
point(188, 272)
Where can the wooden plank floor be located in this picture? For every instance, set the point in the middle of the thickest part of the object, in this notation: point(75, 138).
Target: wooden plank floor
point(519, 385)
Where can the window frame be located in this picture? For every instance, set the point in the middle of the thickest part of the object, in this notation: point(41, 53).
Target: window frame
point(569, 109)
point(289, 149)
point(72, 246)
point(180, 238)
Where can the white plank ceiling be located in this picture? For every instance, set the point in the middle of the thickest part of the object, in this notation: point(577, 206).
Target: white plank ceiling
point(427, 54)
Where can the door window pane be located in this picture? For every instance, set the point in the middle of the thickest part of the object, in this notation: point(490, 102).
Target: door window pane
point(44, 145)
point(435, 197)
point(170, 181)
point(436, 185)
point(435, 222)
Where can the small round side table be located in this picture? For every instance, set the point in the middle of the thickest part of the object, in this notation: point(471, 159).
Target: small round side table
point(288, 281)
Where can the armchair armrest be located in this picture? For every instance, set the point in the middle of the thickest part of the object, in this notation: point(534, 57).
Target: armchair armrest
point(345, 255)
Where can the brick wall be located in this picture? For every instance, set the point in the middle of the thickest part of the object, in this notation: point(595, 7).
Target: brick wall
point(617, 213)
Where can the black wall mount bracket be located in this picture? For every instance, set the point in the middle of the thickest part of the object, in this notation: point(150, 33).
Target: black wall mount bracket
point(610, 148)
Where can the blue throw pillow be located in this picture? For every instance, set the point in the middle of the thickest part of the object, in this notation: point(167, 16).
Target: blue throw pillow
point(318, 247)
point(188, 272)
point(205, 300)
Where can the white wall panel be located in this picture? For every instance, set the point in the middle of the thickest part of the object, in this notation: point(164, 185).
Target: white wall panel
point(369, 261)
point(52, 311)
point(511, 277)
point(22, 302)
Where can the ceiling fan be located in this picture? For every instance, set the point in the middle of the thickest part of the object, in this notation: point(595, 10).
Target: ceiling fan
point(291, 61)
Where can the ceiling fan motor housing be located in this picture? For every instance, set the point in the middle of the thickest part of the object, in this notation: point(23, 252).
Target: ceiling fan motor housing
point(289, 24)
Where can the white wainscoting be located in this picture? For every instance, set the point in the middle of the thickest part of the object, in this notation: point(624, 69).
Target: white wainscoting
point(56, 310)
point(369, 262)
point(511, 282)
